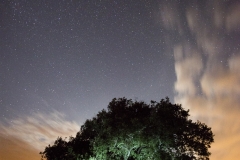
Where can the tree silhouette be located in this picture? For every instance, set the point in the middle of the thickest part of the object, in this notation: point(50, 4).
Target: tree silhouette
point(132, 130)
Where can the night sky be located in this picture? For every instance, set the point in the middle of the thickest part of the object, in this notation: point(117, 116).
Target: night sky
point(63, 61)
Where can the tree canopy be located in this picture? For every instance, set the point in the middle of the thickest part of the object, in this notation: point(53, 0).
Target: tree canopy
point(132, 130)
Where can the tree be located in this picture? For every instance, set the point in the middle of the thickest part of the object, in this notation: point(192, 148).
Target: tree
point(74, 149)
point(131, 130)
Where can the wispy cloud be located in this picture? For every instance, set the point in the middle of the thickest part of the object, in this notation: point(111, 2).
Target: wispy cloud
point(32, 134)
point(207, 65)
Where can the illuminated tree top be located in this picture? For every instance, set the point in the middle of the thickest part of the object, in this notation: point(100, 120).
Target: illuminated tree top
point(131, 130)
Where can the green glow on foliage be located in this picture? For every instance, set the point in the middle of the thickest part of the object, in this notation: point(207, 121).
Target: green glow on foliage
point(138, 131)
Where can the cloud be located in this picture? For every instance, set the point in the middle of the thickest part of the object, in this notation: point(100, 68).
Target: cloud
point(232, 19)
point(207, 65)
point(31, 134)
point(185, 56)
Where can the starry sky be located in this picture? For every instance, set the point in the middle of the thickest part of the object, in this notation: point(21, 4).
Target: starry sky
point(63, 61)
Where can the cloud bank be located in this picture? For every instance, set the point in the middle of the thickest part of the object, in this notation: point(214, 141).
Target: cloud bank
point(23, 138)
point(207, 66)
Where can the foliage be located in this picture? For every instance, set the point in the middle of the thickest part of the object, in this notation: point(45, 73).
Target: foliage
point(131, 130)
point(74, 149)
